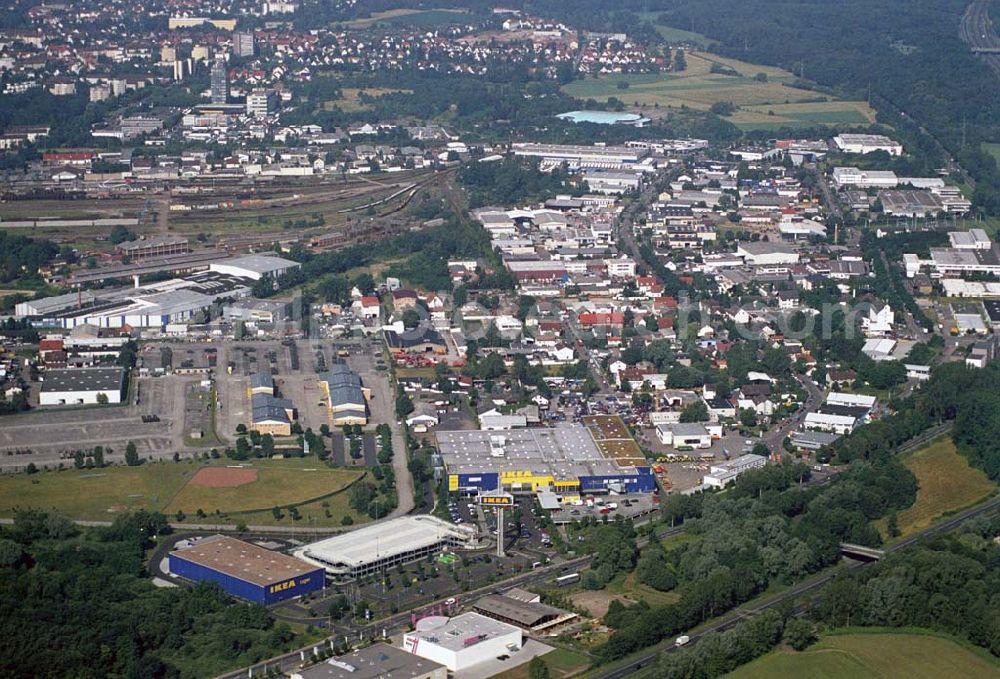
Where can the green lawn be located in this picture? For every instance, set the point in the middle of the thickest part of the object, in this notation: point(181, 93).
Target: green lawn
point(874, 656)
point(560, 661)
point(629, 587)
point(946, 483)
point(100, 494)
point(767, 103)
point(993, 149)
point(675, 36)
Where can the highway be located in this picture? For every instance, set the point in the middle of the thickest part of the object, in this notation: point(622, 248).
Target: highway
point(650, 655)
point(976, 31)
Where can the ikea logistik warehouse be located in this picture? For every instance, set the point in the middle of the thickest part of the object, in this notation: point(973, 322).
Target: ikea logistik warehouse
point(245, 570)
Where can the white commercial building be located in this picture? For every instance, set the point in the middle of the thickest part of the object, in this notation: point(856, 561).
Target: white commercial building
point(79, 386)
point(684, 435)
point(722, 474)
point(383, 545)
point(838, 424)
point(973, 239)
point(463, 641)
point(867, 143)
point(852, 176)
point(254, 266)
point(763, 253)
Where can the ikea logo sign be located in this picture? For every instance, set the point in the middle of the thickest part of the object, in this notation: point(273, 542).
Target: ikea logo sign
point(281, 586)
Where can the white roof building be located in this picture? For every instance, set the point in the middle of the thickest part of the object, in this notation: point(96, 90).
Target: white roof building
point(384, 545)
point(463, 641)
point(254, 266)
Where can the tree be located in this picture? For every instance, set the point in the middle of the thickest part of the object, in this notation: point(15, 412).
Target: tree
point(411, 319)
point(800, 633)
point(537, 669)
point(131, 454)
point(102, 398)
point(695, 412)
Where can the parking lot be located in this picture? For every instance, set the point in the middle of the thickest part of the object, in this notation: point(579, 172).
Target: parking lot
point(53, 434)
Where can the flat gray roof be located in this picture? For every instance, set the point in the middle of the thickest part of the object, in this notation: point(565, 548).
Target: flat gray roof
point(378, 661)
point(567, 451)
point(84, 379)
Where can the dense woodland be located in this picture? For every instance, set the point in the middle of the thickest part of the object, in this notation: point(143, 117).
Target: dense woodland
point(79, 604)
point(949, 584)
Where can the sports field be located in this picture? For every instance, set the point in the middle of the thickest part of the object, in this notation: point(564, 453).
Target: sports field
point(169, 487)
point(762, 94)
point(946, 483)
point(614, 441)
point(874, 656)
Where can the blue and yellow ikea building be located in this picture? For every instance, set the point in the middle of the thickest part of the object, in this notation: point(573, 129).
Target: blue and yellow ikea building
point(245, 570)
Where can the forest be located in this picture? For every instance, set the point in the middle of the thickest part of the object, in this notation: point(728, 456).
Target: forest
point(78, 602)
point(948, 584)
point(20, 255)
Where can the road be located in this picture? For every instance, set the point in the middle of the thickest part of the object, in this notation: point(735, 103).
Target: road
point(976, 31)
point(667, 646)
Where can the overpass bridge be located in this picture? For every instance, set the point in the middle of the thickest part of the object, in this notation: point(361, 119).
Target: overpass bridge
point(861, 552)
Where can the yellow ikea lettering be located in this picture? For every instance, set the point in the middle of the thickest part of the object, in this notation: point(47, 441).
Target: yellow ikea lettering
point(281, 586)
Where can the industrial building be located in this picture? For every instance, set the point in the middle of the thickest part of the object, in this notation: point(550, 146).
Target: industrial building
point(254, 266)
point(149, 306)
point(158, 304)
point(385, 544)
point(139, 250)
point(346, 400)
point(378, 661)
point(580, 156)
point(75, 386)
point(246, 570)
point(531, 616)
point(867, 143)
point(271, 414)
point(723, 473)
point(463, 641)
point(564, 458)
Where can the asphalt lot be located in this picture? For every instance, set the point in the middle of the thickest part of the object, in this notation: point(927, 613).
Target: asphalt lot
point(54, 433)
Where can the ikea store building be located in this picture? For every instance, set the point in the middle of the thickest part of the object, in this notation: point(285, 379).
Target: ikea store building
point(245, 570)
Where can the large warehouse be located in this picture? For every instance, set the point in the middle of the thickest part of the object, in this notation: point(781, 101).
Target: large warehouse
point(564, 458)
point(463, 641)
point(245, 570)
point(385, 544)
point(149, 306)
point(378, 661)
point(346, 399)
point(76, 386)
point(254, 266)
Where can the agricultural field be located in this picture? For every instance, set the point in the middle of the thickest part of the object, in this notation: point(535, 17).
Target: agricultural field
point(614, 440)
point(946, 483)
point(874, 656)
point(410, 17)
point(169, 487)
point(763, 95)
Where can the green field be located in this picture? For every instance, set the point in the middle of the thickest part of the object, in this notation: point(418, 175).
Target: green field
point(675, 36)
point(946, 483)
point(100, 494)
point(628, 586)
point(561, 663)
point(993, 149)
point(874, 656)
point(410, 17)
point(762, 104)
